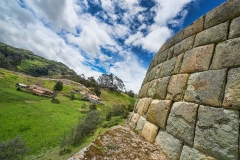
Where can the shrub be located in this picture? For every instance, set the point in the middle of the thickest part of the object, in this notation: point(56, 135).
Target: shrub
point(14, 149)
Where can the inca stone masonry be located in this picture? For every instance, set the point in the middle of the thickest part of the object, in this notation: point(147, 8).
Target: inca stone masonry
point(189, 101)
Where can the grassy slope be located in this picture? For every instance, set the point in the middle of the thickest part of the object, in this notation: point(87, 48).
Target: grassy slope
point(40, 122)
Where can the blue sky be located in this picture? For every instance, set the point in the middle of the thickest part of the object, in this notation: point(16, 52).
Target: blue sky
point(98, 36)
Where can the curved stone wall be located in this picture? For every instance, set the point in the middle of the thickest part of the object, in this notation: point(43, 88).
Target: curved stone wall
point(189, 101)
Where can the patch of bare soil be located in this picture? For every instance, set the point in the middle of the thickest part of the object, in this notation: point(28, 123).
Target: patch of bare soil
point(120, 143)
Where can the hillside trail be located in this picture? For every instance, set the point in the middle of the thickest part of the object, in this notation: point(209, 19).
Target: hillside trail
point(120, 143)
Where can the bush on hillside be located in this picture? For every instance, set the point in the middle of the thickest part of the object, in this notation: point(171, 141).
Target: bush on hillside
point(117, 110)
point(13, 149)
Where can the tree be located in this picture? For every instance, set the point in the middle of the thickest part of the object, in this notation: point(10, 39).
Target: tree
point(130, 93)
point(111, 82)
point(58, 87)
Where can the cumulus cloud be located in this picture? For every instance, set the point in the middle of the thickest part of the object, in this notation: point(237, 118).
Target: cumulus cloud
point(87, 39)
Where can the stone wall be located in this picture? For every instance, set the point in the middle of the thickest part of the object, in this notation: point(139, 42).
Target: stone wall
point(189, 101)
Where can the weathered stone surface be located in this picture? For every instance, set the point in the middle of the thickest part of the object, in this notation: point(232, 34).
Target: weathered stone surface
point(157, 89)
point(178, 63)
point(227, 54)
point(140, 123)
point(222, 13)
point(162, 57)
point(158, 70)
point(189, 153)
point(232, 90)
point(143, 91)
point(194, 28)
point(181, 121)
point(183, 46)
point(217, 132)
point(135, 105)
point(134, 120)
point(212, 35)
point(177, 86)
point(158, 112)
point(206, 87)
point(197, 59)
point(168, 67)
point(175, 39)
point(161, 88)
point(149, 131)
point(170, 53)
point(152, 74)
point(235, 28)
point(169, 145)
point(143, 105)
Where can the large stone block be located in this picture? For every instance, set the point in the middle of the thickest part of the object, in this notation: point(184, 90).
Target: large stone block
point(178, 63)
point(158, 71)
point(197, 59)
point(189, 153)
point(175, 39)
point(194, 28)
point(162, 57)
point(235, 28)
point(140, 123)
point(157, 89)
point(183, 46)
point(206, 87)
point(149, 131)
point(226, 54)
point(177, 86)
point(217, 132)
point(168, 67)
point(143, 91)
point(134, 119)
point(181, 121)
point(222, 13)
point(168, 144)
point(158, 112)
point(143, 105)
point(212, 35)
point(170, 53)
point(232, 90)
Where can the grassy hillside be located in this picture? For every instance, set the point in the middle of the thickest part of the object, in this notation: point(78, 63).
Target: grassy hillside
point(40, 121)
point(25, 61)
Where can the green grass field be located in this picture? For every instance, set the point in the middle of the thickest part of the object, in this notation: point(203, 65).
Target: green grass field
point(41, 122)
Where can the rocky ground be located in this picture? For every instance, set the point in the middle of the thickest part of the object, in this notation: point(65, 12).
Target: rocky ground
point(120, 143)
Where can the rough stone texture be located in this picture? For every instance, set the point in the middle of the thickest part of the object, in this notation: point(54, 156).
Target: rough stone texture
point(189, 153)
point(197, 59)
point(143, 105)
point(157, 88)
point(158, 70)
point(206, 87)
point(168, 67)
point(183, 46)
point(134, 120)
point(232, 90)
point(158, 112)
point(222, 13)
point(178, 63)
point(120, 143)
point(194, 28)
point(152, 74)
point(212, 35)
point(161, 88)
point(164, 47)
point(217, 132)
point(149, 131)
point(227, 54)
point(162, 57)
point(140, 123)
point(170, 53)
point(175, 39)
point(143, 91)
point(177, 86)
point(169, 145)
point(181, 121)
point(235, 28)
